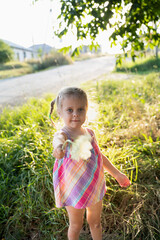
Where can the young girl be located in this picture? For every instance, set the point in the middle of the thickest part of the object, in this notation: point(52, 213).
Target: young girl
point(79, 184)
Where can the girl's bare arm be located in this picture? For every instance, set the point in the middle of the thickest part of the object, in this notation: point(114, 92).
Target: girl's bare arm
point(121, 178)
point(58, 141)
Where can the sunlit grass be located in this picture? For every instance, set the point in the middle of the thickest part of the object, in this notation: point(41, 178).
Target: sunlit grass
point(128, 131)
point(12, 71)
point(92, 112)
point(15, 68)
point(141, 65)
point(125, 116)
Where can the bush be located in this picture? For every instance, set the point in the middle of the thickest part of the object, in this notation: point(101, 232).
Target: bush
point(6, 53)
point(54, 59)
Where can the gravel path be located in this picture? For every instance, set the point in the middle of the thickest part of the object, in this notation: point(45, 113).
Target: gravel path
point(14, 91)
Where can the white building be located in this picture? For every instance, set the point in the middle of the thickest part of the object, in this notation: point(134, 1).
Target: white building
point(21, 53)
point(42, 49)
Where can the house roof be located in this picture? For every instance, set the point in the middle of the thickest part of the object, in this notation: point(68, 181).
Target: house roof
point(45, 48)
point(16, 46)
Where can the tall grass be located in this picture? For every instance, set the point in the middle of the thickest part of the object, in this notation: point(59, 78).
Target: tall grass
point(54, 59)
point(127, 127)
point(14, 69)
point(27, 202)
point(141, 65)
point(128, 130)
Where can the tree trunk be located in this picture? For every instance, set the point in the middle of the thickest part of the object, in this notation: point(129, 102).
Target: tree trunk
point(156, 47)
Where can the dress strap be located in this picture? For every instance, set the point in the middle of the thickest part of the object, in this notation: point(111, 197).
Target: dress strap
point(90, 132)
point(66, 133)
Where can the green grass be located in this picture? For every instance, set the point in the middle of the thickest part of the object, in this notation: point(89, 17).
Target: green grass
point(127, 127)
point(141, 65)
point(15, 69)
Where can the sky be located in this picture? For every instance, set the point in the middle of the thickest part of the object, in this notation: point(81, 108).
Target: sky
point(26, 24)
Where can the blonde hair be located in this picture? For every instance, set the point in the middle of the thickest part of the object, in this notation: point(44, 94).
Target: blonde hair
point(67, 92)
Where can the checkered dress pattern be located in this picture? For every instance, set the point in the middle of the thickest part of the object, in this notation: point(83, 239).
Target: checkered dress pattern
point(79, 184)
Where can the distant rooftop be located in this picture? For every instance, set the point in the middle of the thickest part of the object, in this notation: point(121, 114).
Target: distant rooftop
point(14, 45)
point(45, 48)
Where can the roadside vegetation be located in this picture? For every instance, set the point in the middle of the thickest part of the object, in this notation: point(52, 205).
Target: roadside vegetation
point(6, 53)
point(140, 66)
point(88, 55)
point(14, 68)
point(127, 126)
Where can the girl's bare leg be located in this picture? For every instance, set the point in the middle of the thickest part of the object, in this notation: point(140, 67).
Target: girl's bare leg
point(94, 220)
point(75, 222)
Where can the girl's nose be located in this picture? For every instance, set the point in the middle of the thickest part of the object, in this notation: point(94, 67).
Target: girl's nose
point(75, 113)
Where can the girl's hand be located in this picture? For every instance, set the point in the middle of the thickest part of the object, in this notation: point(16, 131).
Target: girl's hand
point(123, 180)
point(58, 152)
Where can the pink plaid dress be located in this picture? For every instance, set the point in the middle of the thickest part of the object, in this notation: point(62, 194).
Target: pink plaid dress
point(79, 184)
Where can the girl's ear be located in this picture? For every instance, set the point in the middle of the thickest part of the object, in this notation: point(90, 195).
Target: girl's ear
point(59, 113)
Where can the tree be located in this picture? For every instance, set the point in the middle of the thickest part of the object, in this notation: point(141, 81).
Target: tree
point(6, 53)
point(134, 25)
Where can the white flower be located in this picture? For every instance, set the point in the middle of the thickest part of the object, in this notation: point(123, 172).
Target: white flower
point(81, 148)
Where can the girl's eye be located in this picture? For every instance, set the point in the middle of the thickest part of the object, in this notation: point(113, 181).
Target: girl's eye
point(80, 109)
point(70, 110)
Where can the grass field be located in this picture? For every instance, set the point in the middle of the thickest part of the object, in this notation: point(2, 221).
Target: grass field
point(141, 66)
point(127, 126)
point(16, 68)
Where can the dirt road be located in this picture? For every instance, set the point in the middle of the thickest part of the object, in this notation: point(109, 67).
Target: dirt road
point(17, 90)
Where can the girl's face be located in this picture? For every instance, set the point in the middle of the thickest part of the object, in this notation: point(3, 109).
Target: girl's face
point(73, 112)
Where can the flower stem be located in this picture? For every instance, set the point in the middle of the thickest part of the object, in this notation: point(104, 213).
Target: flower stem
point(64, 144)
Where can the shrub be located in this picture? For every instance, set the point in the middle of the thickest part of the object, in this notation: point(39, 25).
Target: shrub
point(6, 53)
point(54, 59)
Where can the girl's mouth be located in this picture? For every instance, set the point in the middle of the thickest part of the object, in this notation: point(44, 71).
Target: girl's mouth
point(74, 120)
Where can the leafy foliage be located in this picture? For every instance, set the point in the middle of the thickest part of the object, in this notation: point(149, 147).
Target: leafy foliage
point(136, 21)
point(6, 53)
